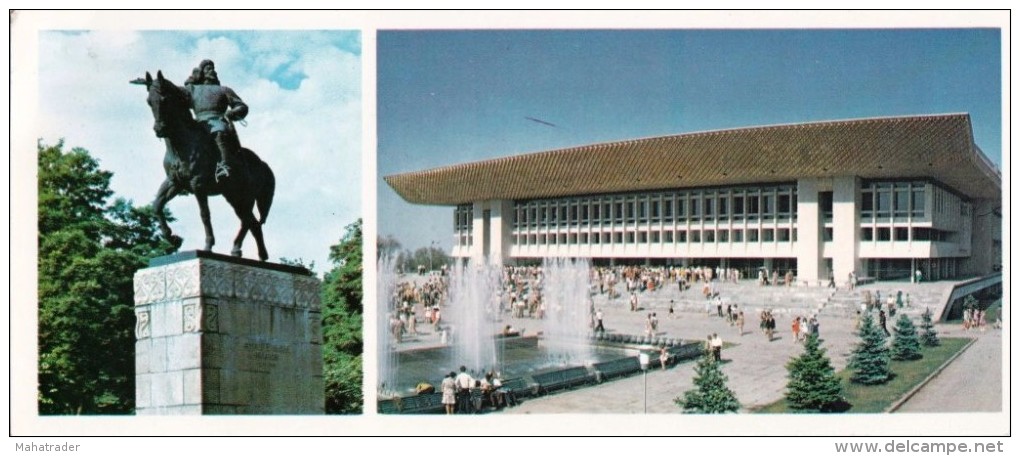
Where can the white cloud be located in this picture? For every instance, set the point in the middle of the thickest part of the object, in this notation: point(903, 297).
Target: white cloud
point(310, 136)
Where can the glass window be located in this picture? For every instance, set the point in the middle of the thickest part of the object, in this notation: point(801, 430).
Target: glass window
point(738, 235)
point(655, 210)
point(768, 235)
point(917, 202)
point(724, 236)
point(884, 234)
point(768, 208)
point(630, 211)
point(784, 204)
point(901, 201)
point(695, 204)
point(667, 209)
point(618, 238)
point(618, 212)
point(867, 201)
point(752, 205)
point(643, 237)
point(902, 233)
point(827, 235)
point(595, 238)
point(656, 237)
point(681, 236)
point(630, 237)
point(709, 235)
point(668, 235)
point(784, 234)
point(709, 206)
point(584, 238)
point(738, 205)
point(883, 203)
point(681, 209)
point(867, 234)
point(752, 235)
point(695, 236)
point(922, 234)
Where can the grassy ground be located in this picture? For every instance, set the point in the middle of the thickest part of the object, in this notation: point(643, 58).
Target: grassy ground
point(875, 399)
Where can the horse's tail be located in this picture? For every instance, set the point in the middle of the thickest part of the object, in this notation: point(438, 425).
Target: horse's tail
point(264, 198)
point(263, 181)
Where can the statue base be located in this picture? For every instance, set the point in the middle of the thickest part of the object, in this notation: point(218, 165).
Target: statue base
point(222, 335)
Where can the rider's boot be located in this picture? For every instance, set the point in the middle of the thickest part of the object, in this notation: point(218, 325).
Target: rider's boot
point(223, 143)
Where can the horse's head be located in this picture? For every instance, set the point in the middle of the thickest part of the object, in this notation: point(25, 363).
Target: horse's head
point(168, 102)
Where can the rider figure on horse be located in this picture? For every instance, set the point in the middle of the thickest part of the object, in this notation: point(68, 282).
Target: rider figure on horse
point(216, 106)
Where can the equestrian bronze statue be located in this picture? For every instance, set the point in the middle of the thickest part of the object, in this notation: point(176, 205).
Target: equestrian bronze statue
point(204, 157)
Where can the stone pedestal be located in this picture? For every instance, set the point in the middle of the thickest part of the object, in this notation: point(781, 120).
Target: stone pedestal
point(223, 335)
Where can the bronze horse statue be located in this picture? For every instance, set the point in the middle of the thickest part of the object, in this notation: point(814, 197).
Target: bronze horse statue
point(190, 165)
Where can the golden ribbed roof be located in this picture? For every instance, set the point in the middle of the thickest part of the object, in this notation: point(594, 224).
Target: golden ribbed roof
point(935, 146)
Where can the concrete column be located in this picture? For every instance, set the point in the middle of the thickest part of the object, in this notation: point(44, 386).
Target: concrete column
point(500, 231)
point(846, 222)
point(219, 335)
point(809, 237)
point(478, 232)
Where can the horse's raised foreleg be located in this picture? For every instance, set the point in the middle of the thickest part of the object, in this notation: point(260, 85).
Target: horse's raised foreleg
point(167, 191)
point(203, 209)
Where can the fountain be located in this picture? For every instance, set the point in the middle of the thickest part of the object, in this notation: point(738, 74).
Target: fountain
point(385, 343)
point(566, 291)
point(555, 352)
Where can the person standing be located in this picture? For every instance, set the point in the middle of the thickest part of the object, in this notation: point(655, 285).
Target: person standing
point(740, 322)
point(881, 321)
point(449, 388)
point(598, 322)
point(717, 347)
point(464, 384)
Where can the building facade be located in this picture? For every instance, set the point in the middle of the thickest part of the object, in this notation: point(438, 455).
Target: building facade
point(881, 197)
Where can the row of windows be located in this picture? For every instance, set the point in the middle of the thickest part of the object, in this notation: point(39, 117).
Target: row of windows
point(657, 237)
point(767, 203)
point(893, 199)
point(901, 233)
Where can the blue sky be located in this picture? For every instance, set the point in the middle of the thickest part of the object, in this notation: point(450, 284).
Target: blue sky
point(304, 93)
point(447, 97)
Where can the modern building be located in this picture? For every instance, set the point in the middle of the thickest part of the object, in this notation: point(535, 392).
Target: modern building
point(883, 197)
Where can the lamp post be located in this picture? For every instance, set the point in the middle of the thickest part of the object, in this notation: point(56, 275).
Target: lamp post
point(643, 359)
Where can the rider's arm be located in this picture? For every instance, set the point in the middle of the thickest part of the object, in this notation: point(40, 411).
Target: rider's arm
point(238, 110)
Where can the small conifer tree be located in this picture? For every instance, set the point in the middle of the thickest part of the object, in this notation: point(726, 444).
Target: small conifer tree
point(870, 358)
point(929, 336)
point(906, 345)
point(710, 393)
point(813, 384)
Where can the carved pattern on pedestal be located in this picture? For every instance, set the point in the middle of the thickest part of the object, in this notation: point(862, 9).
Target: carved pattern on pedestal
point(182, 280)
point(306, 292)
point(211, 318)
point(217, 279)
point(143, 328)
point(315, 325)
point(192, 317)
point(150, 286)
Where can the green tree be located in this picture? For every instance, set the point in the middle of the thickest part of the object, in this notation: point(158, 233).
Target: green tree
point(813, 384)
point(89, 251)
point(869, 361)
point(710, 393)
point(929, 336)
point(341, 324)
point(906, 345)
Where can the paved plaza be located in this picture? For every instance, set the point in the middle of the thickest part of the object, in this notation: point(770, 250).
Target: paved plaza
point(756, 367)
